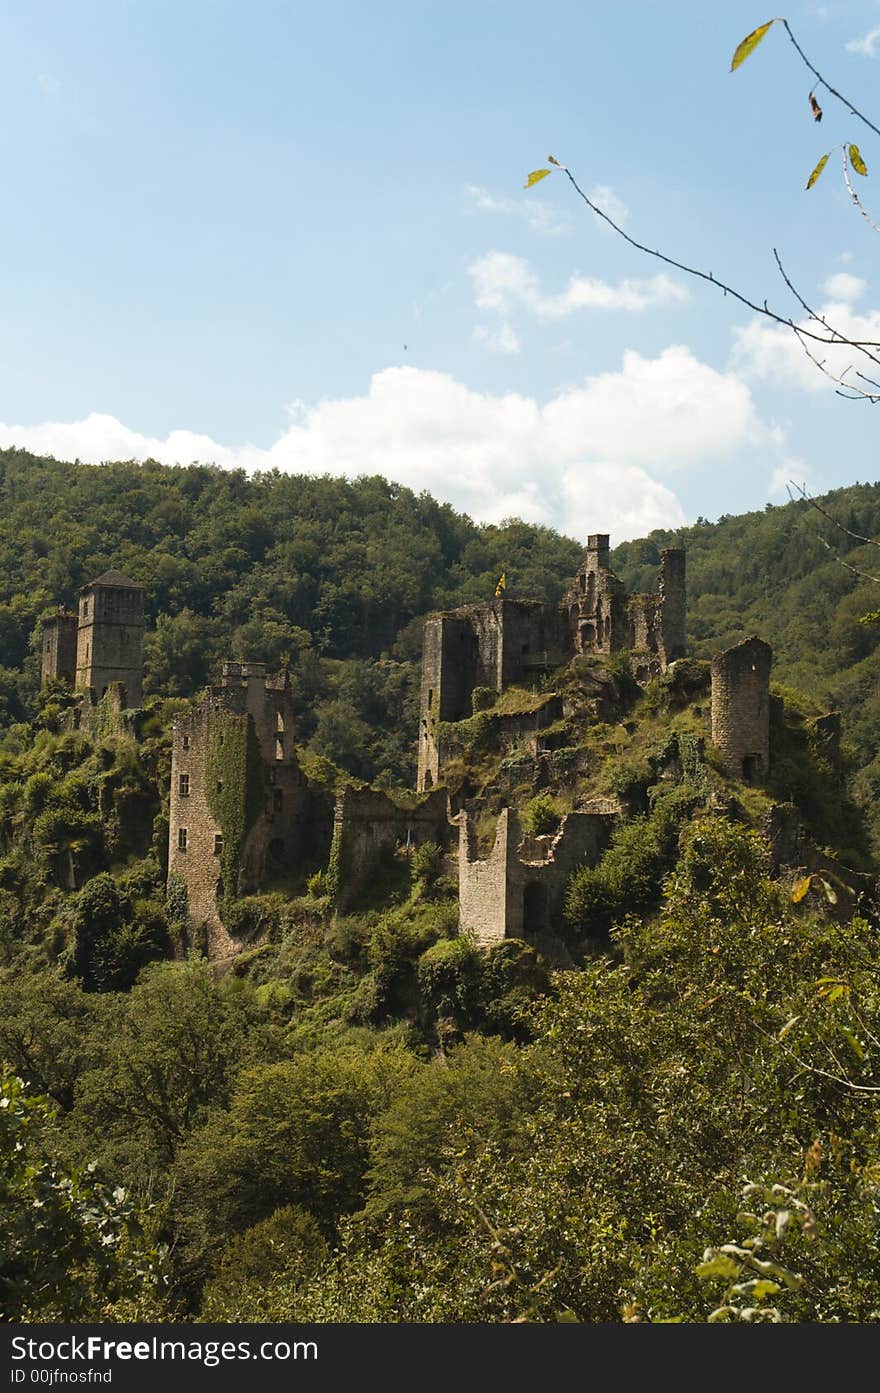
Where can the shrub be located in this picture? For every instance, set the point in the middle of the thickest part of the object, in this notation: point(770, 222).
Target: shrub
point(448, 977)
point(542, 815)
point(427, 863)
point(482, 698)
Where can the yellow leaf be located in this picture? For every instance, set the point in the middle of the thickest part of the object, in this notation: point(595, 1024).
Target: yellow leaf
point(800, 888)
point(535, 175)
point(817, 171)
point(789, 1025)
point(749, 44)
point(855, 159)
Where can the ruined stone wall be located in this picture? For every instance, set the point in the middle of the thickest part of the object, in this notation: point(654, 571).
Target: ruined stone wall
point(489, 645)
point(596, 604)
point(672, 605)
point(367, 827)
point(535, 639)
point(741, 708)
point(106, 716)
point(519, 888)
point(59, 647)
point(197, 863)
point(449, 675)
point(483, 884)
point(110, 640)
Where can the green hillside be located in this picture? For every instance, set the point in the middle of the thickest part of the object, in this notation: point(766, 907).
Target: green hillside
point(664, 1108)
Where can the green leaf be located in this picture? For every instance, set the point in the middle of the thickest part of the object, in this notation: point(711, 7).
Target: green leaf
point(818, 170)
point(535, 176)
point(749, 44)
point(718, 1266)
point(854, 1044)
point(830, 892)
point(855, 159)
point(764, 1288)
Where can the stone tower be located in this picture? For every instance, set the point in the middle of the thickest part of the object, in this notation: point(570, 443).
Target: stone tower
point(671, 605)
point(110, 639)
point(741, 708)
point(59, 647)
point(238, 800)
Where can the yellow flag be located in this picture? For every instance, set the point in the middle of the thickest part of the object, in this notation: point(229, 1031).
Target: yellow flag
point(502, 582)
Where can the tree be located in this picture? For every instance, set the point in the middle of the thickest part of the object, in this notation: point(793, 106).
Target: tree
point(70, 1245)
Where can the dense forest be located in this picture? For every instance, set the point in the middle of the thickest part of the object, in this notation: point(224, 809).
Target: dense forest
point(666, 1111)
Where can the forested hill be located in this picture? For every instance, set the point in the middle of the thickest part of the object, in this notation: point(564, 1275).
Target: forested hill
point(784, 573)
point(337, 575)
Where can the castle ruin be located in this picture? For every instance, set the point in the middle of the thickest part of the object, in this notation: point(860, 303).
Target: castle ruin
point(501, 642)
point(102, 645)
point(741, 708)
point(517, 890)
point(243, 816)
point(239, 805)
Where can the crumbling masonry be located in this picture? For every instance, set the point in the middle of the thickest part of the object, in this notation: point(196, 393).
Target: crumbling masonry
point(239, 805)
point(242, 814)
point(741, 708)
point(501, 642)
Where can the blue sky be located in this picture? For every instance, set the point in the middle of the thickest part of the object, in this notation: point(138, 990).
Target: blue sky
point(295, 235)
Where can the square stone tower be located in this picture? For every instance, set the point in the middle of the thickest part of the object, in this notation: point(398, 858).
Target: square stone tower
point(239, 807)
point(59, 647)
point(110, 639)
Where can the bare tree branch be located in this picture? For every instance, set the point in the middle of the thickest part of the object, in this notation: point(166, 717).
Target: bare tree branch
point(827, 85)
point(814, 503)
point(853, 195)
point(834, 337)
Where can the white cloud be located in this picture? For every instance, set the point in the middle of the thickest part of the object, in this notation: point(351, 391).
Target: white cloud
point(606, 199)
point(540, 215)
point(504, 282)
point(666, 412)
point(584, 461)
point(771, 353)
point(867, 44)
point(844, 287)
point(500, 340)
point(788, 474)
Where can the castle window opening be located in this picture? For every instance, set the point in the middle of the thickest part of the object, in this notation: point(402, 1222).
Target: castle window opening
point(279, 722)
point(279, 747)
point(181, 839)
point(219, 785)
point(218, 843)
point(430, 697)
point(185, 742)
point(184, 786)
point(277, 800)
